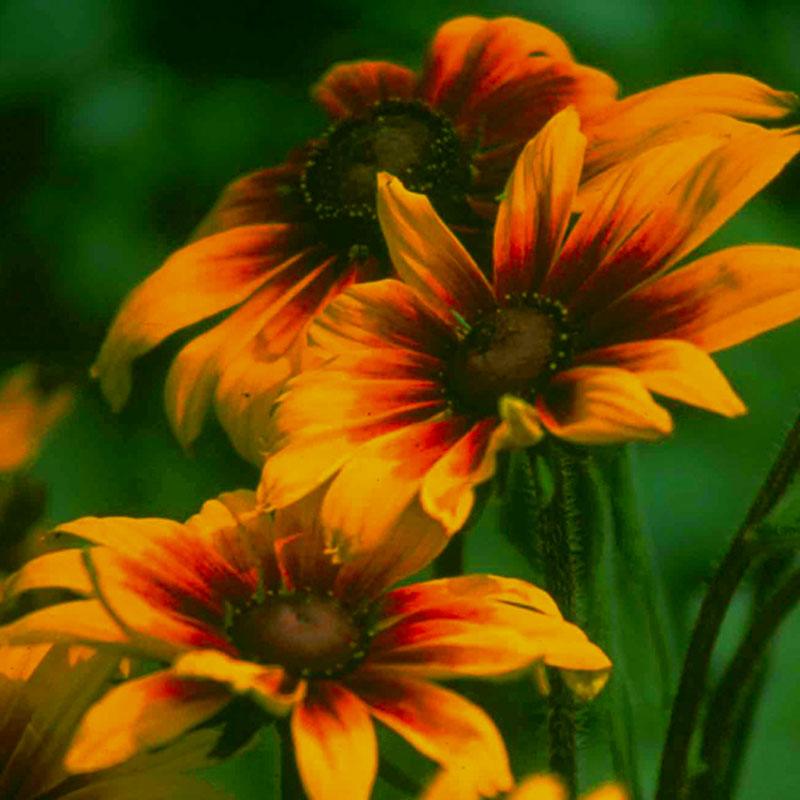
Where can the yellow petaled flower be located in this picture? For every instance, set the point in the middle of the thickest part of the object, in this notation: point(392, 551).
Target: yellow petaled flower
point(422, 383)
point(458, 786)
point(284, 241)
point(30, 405)
point(238, 602)
point(44, 693)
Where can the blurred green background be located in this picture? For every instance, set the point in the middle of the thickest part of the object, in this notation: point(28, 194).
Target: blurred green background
point(120, 121)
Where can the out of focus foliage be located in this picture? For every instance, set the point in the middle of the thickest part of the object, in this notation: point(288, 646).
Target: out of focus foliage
point(120, 121)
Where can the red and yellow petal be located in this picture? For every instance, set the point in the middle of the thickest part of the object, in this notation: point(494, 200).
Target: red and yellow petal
point(352, 89)
point(200, 280)
point(673, 368)
point(439, 723)
point(448, 489)
point(335, 744)
point(269, 195)
point(269, 686)
point(601, 405)
point(140, 715)
point(535, 209)
point(427, 255)
point(715, 302)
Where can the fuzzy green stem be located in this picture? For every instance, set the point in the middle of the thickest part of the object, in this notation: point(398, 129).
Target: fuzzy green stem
point(291, 785)
point(672, 783)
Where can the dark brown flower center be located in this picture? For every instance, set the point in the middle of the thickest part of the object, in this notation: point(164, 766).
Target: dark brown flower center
point(306, 633)
point(404, 138)
point(512, 351)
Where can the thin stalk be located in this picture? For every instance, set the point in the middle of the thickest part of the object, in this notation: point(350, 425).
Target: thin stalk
point(558, 531)
point(450, 562)
point(726, 580)
point(291, 785)
point(733, 688)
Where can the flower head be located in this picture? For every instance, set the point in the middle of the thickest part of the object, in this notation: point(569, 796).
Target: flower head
point(44, 693)
point(236, 602)
point(284, 241)
point(421, 384)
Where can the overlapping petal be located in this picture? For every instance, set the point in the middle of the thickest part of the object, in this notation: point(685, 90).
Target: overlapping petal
point(351, 89)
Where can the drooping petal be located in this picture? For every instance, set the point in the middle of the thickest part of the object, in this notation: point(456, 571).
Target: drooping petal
point(699, 203)
point(335, 745)
point(601, 405)
point(195, 372)
point(351, 89)
point(673, 368)
point(196, 282)
point(439, 723)
point(380, 480)
point(269, 195)
point(535, 209)
point(140, 715)
point(448, 489)
point(715, 302)
point(427, 255)
point(523, 428)
point(268, 686)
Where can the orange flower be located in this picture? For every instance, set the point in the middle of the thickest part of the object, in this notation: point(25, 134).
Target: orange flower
point(282, 242)
point(44, 692)
point(422, 385)
point(30, 405)
point(456, 786)
point(236, 601)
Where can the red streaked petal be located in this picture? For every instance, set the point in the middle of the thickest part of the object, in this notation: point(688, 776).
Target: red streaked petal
point(448, 492)
point(673, 368)
point(140, 715)
point(382, 314)
point(715, 302)
point(352, 89)
point(699, 203)
point(535, 208)
point(196, 282)
point(269, 195)
point(427, 255)
point(601, 405)
point(335, 744)
point(439, 723)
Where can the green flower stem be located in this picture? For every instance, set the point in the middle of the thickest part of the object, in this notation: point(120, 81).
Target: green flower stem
point(559, 531)
point(291, 785)
point(450, 562)
point(726, 580)
point(734, 686)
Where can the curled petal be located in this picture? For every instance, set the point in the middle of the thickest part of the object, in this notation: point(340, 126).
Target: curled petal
point(601, 405)
point(523, 426)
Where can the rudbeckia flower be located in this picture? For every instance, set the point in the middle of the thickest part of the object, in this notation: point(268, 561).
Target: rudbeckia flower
point(31, 403)
point(457, 786)
point(282, 242)
point(238, 602)
point(422, 383)
point(44, 692)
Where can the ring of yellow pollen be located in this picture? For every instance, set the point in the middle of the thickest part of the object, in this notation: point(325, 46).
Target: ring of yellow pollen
point(512, 350)
point(407, 139)
point(308, 634)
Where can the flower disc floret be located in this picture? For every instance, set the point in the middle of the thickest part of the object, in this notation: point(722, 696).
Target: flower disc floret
point(406, 138)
